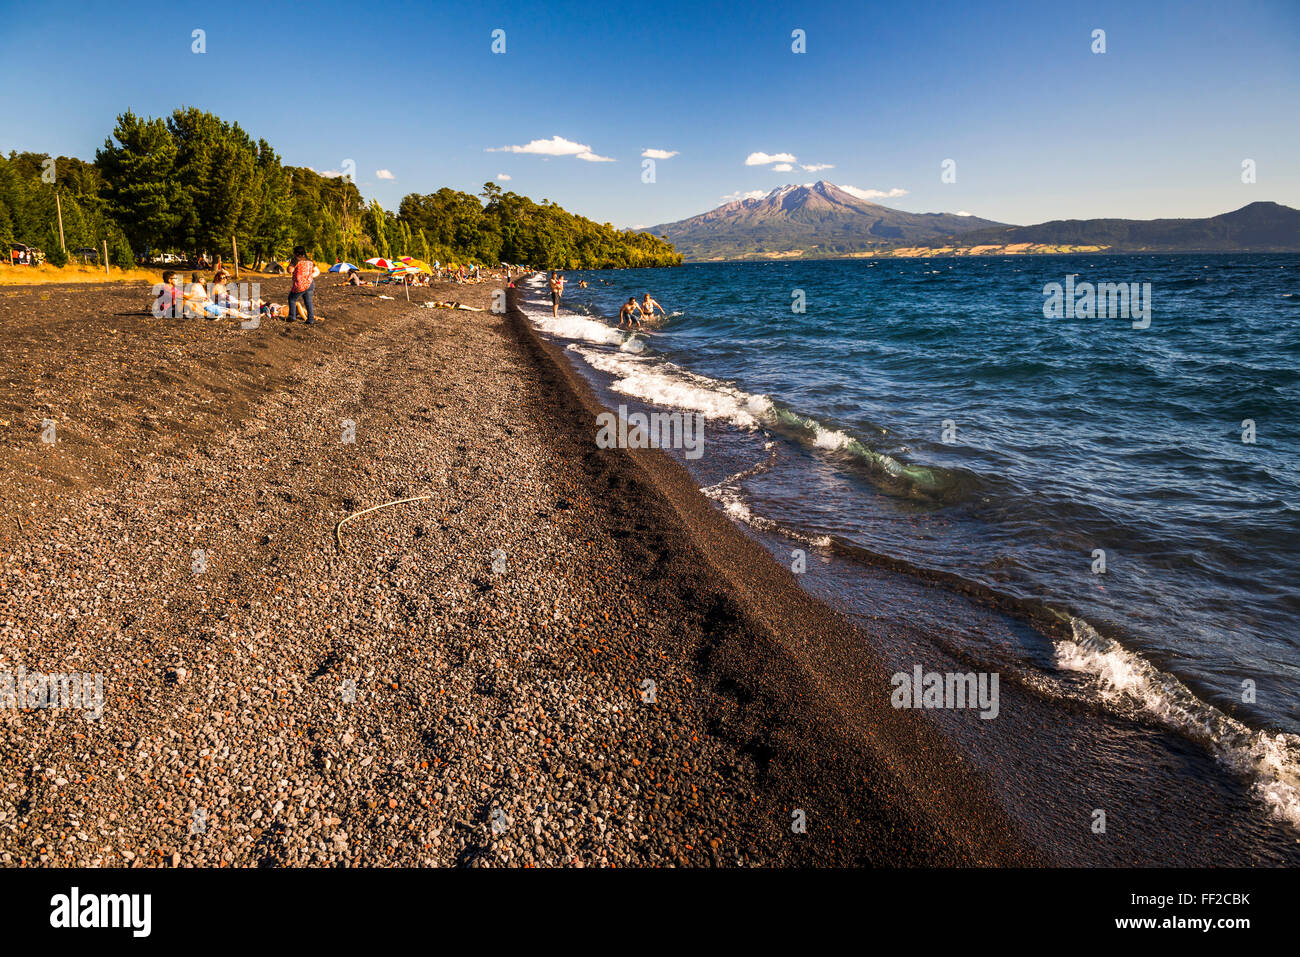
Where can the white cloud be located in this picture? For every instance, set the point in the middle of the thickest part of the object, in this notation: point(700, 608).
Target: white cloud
point(762, 159)
point(874, 193)
point(659, 155)
point(385, 174)
point(782, 168)
point(503, 176)
point(962, 212)
point(751, 194)
point(638, 227)
point(816, 167)
point(330, 173)
point(555, 146)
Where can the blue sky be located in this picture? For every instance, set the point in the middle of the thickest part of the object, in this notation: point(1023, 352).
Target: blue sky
point(1040, 127)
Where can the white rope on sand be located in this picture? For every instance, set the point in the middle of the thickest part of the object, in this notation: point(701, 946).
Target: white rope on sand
point(338, 538)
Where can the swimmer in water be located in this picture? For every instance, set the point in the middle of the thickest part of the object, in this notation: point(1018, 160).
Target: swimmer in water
point(629, 307)
point(649, 306)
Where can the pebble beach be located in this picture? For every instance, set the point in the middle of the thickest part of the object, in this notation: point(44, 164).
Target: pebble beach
point(558, 655)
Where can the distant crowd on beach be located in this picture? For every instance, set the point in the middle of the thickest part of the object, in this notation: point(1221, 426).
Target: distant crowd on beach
point(226, 300)
point(222, 299)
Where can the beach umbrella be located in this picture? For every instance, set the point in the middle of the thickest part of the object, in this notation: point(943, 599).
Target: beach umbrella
point(343, 267)
point(379, 261)
point(403, 270)
point(418, 264)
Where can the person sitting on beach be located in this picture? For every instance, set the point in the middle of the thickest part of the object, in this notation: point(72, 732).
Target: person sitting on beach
point(219, 297)
point(196, 297)
point(168, 303)
point(629, 307)
point(226, 306)
point(219, 304)
point(649, 306)
point(354, 279)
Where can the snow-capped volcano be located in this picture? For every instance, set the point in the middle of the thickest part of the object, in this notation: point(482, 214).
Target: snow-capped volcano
point(818, 219)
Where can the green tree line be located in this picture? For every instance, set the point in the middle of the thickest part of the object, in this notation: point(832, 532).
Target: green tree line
point(191, 181)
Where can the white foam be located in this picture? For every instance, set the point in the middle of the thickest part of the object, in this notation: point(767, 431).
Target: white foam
point(569, 326)
point(830, 439)
point(733, 503)
point(662, 383)
point(1272, 762)
point(734, 506)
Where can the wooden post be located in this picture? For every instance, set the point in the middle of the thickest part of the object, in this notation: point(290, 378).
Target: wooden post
point(235, 245)
point(58, 203)
point(105, 257)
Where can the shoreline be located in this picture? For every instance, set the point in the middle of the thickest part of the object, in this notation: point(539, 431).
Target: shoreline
point(781, 641)
point(1054, 751)
point(465, 684)
point(496, 718)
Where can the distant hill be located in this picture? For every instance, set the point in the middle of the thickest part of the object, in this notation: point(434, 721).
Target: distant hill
point(1259, 227)
point(814, 221)
point(822, 221)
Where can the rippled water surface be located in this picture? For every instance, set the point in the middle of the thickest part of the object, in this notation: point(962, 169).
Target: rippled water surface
point(928, 411)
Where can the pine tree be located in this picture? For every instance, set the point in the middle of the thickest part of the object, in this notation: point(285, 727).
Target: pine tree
point(140, 186)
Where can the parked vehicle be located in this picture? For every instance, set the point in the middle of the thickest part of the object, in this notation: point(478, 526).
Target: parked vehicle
point(22, 255)
point(87, 254)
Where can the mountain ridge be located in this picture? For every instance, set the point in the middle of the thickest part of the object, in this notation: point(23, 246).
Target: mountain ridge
point(824, 221)
point(1261, 226)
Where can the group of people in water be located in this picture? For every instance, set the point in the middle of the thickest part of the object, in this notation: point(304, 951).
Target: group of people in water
point(645, 310)
point(633, 313)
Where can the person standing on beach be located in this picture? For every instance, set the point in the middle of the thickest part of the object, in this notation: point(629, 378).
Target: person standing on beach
point(557, 290)
point(304, 283)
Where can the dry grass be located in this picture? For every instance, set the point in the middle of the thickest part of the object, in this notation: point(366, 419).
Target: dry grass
point(45, 274)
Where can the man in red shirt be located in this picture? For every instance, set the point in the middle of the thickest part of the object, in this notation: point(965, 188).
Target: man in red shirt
point(304, 273)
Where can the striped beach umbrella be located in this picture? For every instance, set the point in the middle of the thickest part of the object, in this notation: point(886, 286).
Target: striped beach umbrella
point(418, 264)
